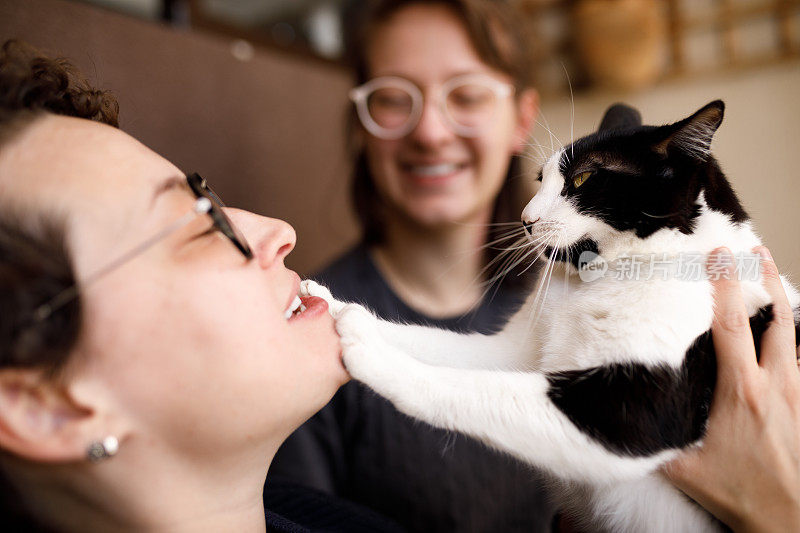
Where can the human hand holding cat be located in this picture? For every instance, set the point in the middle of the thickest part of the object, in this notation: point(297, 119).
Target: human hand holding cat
point(748, 470)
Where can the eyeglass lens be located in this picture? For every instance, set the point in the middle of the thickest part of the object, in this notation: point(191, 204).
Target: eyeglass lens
point(390, 107)
point(470, 106)
point(201, 189)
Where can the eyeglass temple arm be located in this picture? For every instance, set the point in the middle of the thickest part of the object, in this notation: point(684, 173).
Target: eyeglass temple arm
point(201, 206)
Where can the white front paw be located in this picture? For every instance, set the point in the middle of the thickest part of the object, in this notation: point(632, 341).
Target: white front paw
point(310, 287)
point(362, 345)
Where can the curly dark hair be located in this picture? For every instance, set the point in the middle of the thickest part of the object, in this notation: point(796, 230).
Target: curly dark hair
point(31, 82)
point(35, 264)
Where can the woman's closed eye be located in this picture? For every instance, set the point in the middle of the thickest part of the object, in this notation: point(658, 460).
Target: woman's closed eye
point(210, 231)
point(200, 238)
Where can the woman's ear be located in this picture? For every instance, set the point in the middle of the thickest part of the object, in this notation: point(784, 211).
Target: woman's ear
point(40, 421)
point(527, 111)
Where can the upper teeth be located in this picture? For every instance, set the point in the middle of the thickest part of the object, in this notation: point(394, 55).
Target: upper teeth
point(294, 306)
point(433, 170)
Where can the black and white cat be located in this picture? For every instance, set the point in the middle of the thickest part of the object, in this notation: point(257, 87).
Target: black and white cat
point(610, 375)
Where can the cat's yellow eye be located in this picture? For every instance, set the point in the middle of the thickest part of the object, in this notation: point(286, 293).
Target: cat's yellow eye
point(579, 179)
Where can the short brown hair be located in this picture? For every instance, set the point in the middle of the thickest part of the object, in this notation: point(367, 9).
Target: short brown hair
point(35, 263)
point(492, 25)
point(494, 30)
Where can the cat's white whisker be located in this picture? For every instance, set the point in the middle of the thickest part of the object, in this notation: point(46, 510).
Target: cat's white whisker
point(503, 259)
point(538, 158)
point(546, 126)
point(660, 216)
point(502, 238)
point(551, 264)
point(509, 262)
point(572, 111)
point(522, 243)
point(487, 224)
point(518, 256)
point(566, 265)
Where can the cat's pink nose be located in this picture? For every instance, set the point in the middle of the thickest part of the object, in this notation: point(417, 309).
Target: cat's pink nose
point(529, 225)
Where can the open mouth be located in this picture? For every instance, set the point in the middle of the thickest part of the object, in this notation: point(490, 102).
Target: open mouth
point(295, 308)
point(306, 307)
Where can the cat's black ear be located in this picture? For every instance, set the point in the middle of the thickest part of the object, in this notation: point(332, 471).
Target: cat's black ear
point(620, 116)
point(693, 135)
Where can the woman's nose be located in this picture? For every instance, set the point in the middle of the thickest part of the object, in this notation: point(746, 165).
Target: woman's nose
point(431, 128)
point(271, 239)
point(275, 243)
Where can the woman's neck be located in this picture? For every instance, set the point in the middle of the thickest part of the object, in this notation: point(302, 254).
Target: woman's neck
point(133, 495)
point(438, 271)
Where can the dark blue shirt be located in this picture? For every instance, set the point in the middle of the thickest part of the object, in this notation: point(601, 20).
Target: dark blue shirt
point(361, 448)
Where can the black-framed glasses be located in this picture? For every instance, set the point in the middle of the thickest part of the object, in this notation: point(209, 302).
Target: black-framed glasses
point(222, 223)
point(207, 202)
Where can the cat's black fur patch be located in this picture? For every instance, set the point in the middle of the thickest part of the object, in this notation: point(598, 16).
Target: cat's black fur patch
point(573, 253)
point(646, 178)
point(638, 411)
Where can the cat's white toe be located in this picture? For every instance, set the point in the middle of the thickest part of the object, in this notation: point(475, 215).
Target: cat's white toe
point(310, 287)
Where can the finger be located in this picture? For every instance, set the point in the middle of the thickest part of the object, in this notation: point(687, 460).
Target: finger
point(687, 471)
point(733, 341)
point(778, 348)
point(683, 468)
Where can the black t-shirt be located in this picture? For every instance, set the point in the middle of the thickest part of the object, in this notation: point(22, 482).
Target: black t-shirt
point(294, 509)
point(361, 448)
point(289, 508)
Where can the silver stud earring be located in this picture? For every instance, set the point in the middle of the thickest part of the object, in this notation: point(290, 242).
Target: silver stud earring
point(102, 449)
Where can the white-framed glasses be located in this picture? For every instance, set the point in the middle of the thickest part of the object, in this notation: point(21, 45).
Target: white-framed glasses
point(390, 107)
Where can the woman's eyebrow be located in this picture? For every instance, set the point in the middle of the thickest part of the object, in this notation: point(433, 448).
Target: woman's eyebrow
point(175, 182)
point(450, 75)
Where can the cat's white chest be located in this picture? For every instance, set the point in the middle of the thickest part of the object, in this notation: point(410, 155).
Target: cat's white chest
point(582, 325)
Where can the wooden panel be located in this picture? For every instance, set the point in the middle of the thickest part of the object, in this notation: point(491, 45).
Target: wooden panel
point(267, 132)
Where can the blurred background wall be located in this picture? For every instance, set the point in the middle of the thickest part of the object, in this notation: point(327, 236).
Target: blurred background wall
point(263, 126)
point(251, 93)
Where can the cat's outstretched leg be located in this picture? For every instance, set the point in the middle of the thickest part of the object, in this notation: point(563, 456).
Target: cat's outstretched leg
point(441, 347)
point(510, 411)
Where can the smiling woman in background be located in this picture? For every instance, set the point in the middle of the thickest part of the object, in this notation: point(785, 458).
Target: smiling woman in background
point(444, 108)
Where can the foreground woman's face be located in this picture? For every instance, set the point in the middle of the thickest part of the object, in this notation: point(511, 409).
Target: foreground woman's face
point(188, 341)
